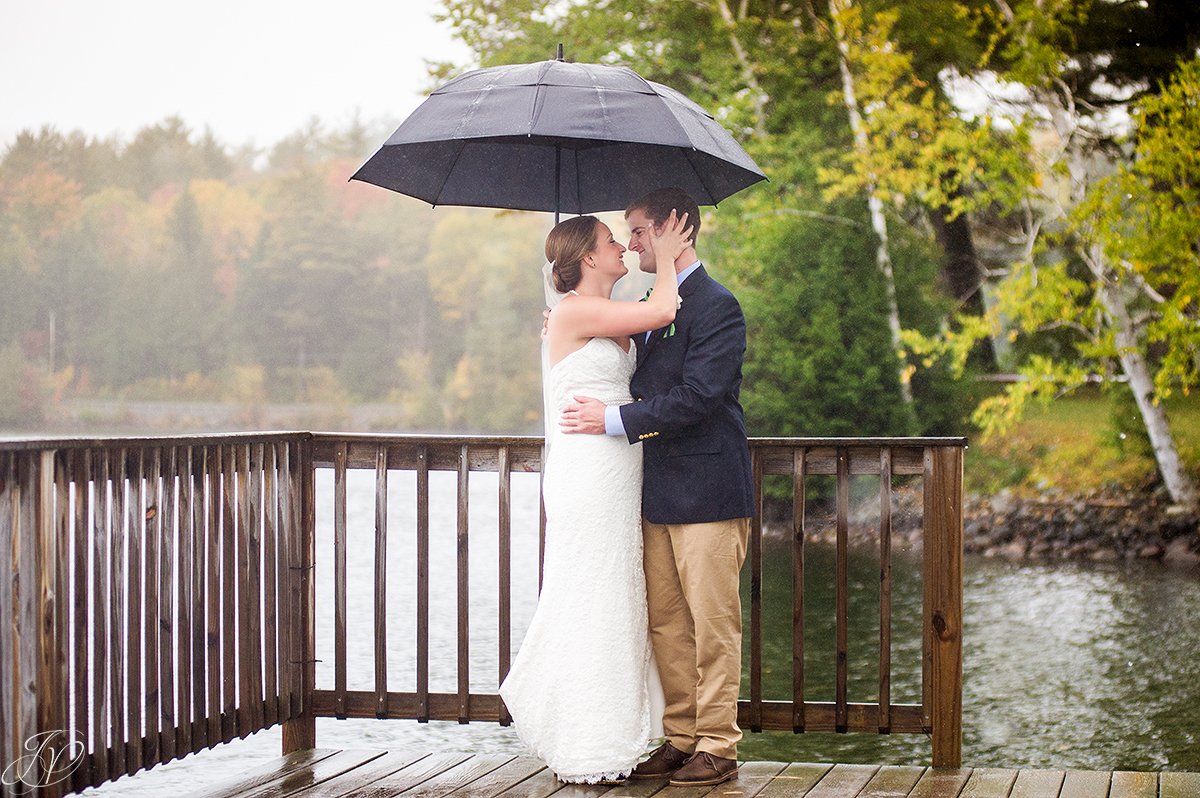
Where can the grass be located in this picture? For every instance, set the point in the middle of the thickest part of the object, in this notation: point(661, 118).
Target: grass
point(1081, 444)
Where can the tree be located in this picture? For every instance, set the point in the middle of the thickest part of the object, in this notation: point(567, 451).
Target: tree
point(1122, 290)
point(488, 293)
point(164, 155)
point(306, 300)
point(847, 22)
point(91, 163)
point(1144, 252)
point(1035, 32)
point(819, 362)
point(21, 387)
point(766, 70)
point(192, 321)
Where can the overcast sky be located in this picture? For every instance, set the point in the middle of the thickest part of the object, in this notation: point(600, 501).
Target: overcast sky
point(252, 70)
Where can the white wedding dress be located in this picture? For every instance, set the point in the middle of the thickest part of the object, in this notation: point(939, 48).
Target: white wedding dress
point(580, 687)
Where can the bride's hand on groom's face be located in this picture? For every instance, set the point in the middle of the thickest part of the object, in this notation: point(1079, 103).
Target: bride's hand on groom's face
point(583, 416)
point(673, 236)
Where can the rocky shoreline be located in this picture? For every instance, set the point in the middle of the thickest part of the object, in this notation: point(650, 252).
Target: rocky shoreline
point(1108, 527)
point(1103, 527)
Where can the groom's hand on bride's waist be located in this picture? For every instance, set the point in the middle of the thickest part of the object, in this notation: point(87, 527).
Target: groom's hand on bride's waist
point(585, 415)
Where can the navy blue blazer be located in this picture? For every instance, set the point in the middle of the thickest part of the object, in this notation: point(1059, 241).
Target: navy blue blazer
point(686, 412)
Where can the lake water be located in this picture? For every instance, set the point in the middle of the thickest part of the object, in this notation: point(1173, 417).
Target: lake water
point(1076, 665)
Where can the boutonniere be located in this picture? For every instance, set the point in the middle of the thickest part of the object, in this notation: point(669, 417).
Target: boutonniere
point(678, 300)
point(670, 330)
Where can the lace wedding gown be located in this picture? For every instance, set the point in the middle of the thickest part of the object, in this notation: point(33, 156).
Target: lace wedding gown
point(580, 686)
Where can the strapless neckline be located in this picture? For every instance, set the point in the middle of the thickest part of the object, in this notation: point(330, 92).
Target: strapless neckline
point(568, 356)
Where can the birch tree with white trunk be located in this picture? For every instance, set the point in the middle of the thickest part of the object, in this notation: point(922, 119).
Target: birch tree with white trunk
point(839, 10)
point(1131, 223)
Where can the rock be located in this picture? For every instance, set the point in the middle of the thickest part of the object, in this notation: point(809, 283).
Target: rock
point(1040, 549)
point(1104, 555)
point(1179, 552)
point(1150, 551)
point(1079, 551)
point(975, 529)
point(1013, 551)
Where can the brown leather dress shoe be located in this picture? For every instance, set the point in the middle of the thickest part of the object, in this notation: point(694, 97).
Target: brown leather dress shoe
point(704, 769)
point(662, 764)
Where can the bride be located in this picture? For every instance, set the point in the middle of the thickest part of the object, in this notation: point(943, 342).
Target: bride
point(579, 690)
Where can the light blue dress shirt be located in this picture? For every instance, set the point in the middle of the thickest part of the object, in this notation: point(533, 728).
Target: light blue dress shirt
point(612, 414)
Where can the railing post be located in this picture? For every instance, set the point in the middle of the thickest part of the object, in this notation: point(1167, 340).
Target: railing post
point(300, 732)
point(51, 679)
point(943, 486)
point(29, 638)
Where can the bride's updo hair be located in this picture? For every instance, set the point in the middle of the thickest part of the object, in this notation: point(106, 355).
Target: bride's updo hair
point(567, 245)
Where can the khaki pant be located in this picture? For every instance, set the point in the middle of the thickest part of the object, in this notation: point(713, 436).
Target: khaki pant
point(692, 578)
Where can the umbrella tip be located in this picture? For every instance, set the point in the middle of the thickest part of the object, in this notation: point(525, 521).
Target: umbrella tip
point(560, 52)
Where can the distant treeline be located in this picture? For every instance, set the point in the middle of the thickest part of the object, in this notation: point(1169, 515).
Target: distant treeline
point(172, 267)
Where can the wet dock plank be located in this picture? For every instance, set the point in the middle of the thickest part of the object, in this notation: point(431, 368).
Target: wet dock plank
point(378, 774)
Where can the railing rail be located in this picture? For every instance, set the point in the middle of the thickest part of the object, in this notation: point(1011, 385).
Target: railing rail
point(146, 602)
point(157, 595)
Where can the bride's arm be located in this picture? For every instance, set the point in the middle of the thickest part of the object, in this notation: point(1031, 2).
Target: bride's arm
point(590, 317)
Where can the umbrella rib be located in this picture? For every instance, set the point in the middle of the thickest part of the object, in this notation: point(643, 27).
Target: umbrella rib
point(578, 183)
point(453, 162)
point(535, 111)
point(689, 154)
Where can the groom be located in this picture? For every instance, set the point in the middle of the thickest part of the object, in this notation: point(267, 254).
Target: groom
point(697, 500)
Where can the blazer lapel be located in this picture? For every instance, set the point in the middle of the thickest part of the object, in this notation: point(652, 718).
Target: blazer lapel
point(686, 289)
point(643, 346)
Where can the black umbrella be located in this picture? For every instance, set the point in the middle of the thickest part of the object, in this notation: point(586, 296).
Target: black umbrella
point(558, 136)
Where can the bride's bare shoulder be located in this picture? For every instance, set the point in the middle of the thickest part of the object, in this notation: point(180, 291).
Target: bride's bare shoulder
point(574, 304)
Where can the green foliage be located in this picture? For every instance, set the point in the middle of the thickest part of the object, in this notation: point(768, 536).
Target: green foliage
point(1072, 445)
point(1125, 433)
point(1038, 48)
point(1142, 222)
point(1145, 219)
point(819, 357)
point(915, 150)
point(172, 261)
point(820, 360)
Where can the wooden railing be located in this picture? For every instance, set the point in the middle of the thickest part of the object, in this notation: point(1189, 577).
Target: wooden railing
point(145, 601)
point(157, 595)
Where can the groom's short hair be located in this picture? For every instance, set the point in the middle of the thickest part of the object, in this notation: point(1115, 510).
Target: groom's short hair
point(658, 204)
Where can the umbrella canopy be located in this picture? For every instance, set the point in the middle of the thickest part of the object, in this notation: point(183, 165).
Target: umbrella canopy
point(558, 136)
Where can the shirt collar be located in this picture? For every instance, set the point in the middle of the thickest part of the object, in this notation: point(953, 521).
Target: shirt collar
point(683, 275)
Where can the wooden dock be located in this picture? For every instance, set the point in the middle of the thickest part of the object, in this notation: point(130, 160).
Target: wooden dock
point(325, 772)
point(159, 598)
